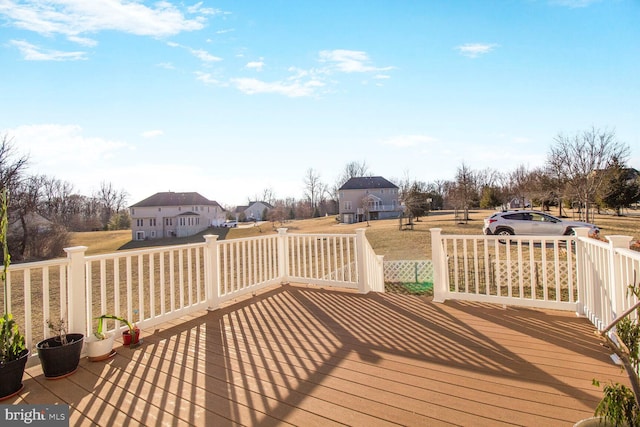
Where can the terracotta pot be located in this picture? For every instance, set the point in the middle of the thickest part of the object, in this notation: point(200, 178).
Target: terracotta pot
point(11, 374)
point(129, 339)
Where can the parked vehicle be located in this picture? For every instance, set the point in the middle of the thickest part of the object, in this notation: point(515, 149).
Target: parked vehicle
point(229, 224)
point(530, 222)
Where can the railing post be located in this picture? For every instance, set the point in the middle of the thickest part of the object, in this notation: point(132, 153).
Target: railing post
point(439, 278)
point(615, 275)
point(283, 256)
point(581, 232)
point(76, 309)
point(363, 279)
point(212, 272)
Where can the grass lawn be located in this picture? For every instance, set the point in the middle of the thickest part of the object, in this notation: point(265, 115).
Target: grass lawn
point(384, 235)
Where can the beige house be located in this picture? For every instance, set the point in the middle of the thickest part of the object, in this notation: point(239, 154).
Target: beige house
point(369, 197)
point(172, 214)
point(256, 211)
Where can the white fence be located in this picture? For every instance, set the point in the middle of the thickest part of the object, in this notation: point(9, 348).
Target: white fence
point(574, 273)
point(408, 271)
point(154, 285)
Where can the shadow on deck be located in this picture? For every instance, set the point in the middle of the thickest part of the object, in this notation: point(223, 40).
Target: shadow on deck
point(307, 356)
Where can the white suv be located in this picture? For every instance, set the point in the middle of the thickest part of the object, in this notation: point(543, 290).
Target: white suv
point(530, 222)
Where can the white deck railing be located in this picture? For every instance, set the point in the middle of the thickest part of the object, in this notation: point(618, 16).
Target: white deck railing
point(151, 286)
point(574, 273)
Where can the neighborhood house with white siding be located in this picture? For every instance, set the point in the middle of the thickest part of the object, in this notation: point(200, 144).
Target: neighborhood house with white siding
point(170, 214)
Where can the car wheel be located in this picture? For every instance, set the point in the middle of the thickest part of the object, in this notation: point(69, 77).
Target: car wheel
point(504, 232)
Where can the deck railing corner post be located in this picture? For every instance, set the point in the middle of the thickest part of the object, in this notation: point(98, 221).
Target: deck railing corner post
point(283, 255)
point(363, 279)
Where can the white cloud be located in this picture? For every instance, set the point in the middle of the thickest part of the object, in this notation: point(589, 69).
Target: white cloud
point(204, 56)
point(349, 61)
point(207, 78)
point(52, 144)
point(292, 89)
point(197, 8)
point(73, 18)
point(166, 65)
point(255, 65)
point(473, 50)
point(32, 52)
point(152, 133)
point(201, 54)
point(404, 141)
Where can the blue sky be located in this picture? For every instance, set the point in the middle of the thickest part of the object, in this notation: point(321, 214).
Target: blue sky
point(228, 98)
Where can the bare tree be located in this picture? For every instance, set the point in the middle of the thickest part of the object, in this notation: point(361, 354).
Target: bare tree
point(464, 190)
point(112, 201)
point(579, 161)
point(314, 189)
point(11, 165)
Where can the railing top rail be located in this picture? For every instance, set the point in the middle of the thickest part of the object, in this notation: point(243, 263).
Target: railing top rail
point(323, 234)
point(511, 237)
point(629, 253)
point(155, 249)
point(38, 264)
point(247, 239)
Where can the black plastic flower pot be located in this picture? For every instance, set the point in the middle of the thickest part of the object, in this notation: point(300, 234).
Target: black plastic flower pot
point(11, 375)
point(59, 360)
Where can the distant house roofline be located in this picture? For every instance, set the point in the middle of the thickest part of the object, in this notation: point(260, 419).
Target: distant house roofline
point(367, 182)
point(169, 198)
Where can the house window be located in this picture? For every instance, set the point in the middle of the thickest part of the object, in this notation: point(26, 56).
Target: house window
point(168, 221)
point(139, 222)
point(159, 209)
point(133, 211)
point(347, 205)
point(152, 222)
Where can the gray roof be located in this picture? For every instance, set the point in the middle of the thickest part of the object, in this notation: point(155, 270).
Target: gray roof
point(367, 182)
point(267, 205)
point(170, 198)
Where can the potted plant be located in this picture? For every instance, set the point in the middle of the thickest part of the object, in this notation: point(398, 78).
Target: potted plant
point(100, 344)
point(131, 337)
point(13, 352)
point(13, 357)
point(620, 405)
point(60, 354)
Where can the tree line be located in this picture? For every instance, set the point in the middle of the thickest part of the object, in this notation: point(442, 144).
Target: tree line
point(583, 171)
point(43, 210)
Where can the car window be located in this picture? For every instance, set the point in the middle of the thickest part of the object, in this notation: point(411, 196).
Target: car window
point(538, 217)
point(518, 216)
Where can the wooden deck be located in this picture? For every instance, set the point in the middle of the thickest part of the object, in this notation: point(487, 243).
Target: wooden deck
point(306, 356)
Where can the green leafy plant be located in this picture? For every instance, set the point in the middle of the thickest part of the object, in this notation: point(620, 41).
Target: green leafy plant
point(620, 405)
point(12, 342)
point(99, 333)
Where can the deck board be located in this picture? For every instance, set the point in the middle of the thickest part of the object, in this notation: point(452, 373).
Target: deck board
point(297, 355)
